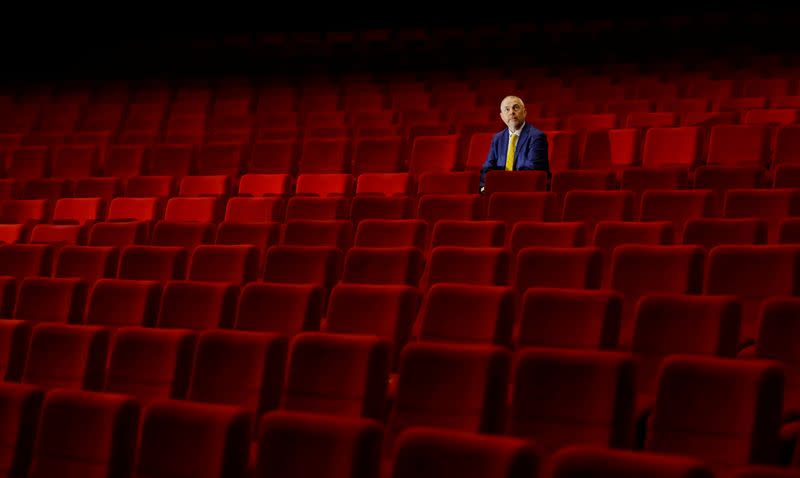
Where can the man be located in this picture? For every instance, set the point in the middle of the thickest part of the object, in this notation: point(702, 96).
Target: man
point(519, 148)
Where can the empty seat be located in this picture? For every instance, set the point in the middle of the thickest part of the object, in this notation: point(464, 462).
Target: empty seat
point(75, 161)
point(640, 180)
point(341, 446)
point(434, 207)
point(468, 234)
point(433, 153)
point(151, 186)
point(197, 305)
point(513, 207)
point(514, 181)
point(467, 265)
point(118, 234)
point(188, 235)
point(457, 313)
point(565, 318)
point(175, 160)
point(152, 263)
point(193, 210)
point(592, 207)
point(43, 299)
point(260, 235)
point(150, 364)
point(572, 268)
point(777, 330)
point(739, 145)
point(24, 260)
point(58, 235)
point(669, 324)
point(599, 462)
point(786, 145)
point(24, 211)
point(672, 147)
point(30, 162)
point(317, 265)
point(192, 439)
point(71, 426)
point(386, 311)
point(20, 412)
point(12, 233)
point(391, 233)
point(470, 395)
point(236, 264)
point(377, 155)
point(250, 210)
point(87, 263)
point(447, 183)
point(314, 208)
point(191, 186)
point(435, 453)
point(116, 302)
point(677, 207)
point(77, 210)
point(66, 356)
point(789, 231)
point(771, 117)
point(720, 179)
point(265, 185)
point(388, 184)
point(546, 234)
point(724, 412)
point(287, 309)
point(238, 368)
point(324, 155)
point(375, 207)
point(15, 336)
point(610, 234)
point(339, 375)
point(680, 271)
point(275, 156)
point(581, 181)
point(45, 188)
point(712, 232)
point(133, 209)
point(337, 234)
point(547, 398)
point(752, 273)
point(770, 205)
point(324, 185)
point(124, 161)
point(385, 265)
point(220, 158)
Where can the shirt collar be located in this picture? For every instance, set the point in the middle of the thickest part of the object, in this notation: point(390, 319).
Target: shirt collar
point(515, 133)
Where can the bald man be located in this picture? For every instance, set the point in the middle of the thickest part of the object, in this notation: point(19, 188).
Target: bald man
point(521, 147)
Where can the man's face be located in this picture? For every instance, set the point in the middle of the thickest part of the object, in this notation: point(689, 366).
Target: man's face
point(512, 112)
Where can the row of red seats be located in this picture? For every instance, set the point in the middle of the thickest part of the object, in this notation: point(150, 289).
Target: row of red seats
point(752, 273)
point(347, 376)
point(407, 109)
point(728, 145)
point(75, 220)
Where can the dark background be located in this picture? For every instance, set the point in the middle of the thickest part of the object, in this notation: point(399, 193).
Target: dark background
point(339, 39)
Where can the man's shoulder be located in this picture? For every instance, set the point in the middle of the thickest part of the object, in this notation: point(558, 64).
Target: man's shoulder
point(534, 131)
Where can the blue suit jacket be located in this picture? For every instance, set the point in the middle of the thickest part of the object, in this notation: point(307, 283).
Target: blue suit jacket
point(531, 152)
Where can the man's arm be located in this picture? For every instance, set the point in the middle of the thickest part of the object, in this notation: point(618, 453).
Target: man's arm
point(490, 163)
point(540, 161)
point(539, 154)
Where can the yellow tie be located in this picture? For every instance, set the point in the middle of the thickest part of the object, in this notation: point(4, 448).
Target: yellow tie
point(512, 146)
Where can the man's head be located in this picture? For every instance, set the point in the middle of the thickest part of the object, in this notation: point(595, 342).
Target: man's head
point(512, 112)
